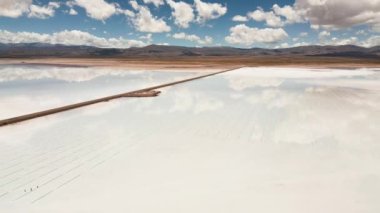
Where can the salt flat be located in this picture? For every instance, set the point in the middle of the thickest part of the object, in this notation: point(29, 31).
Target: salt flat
point(251, 140)
point(25, 89)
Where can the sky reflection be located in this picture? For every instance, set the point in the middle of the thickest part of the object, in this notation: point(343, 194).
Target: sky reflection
point(26, 89)
point(303, 139)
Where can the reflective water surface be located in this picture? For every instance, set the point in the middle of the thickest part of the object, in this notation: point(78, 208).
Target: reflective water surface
point(26, 89)
point(251, 140)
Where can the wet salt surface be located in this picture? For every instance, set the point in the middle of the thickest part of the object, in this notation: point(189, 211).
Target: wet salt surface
point(27, 89)
point(252, 140)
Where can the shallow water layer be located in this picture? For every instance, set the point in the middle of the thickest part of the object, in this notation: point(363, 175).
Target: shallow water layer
point(27, 89)
point(251, 140)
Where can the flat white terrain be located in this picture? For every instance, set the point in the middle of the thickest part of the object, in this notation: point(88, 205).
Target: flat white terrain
point(265, 140)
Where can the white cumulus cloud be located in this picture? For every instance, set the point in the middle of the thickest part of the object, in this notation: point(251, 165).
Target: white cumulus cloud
point(73, 12)
point(334, 14)
point(43, 12)
point(345, 41)
point(144, 21)
point(240, 18)
point(14, 8)
point(193, 38)
point(290, 14)
point(372, 41)
point(97, 9)
point(66, 37)
point(156, 3)
point(182, 13)
point(279, 16)
point(301, 44)
point(244, 35)
point(17, 8)
point(148, 38)
point(323, 35)
point(271, 19)
point(207, 11)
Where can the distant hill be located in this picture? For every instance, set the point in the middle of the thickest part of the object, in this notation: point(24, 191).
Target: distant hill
point(23, 50)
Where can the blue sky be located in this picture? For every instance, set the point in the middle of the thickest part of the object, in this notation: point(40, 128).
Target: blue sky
point(239, 23)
